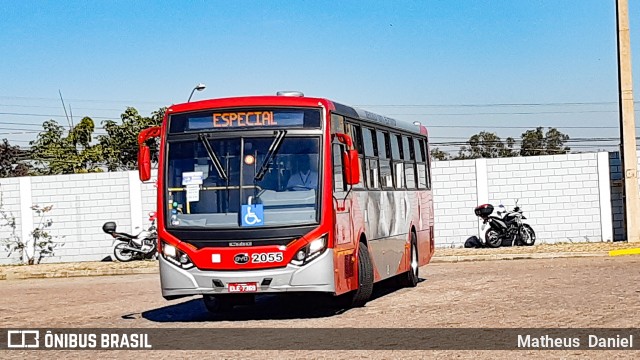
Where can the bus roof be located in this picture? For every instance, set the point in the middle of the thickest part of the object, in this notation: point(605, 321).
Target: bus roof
point(368, 116)
point(303, 101)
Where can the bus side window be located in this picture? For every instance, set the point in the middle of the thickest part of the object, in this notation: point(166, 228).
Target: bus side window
point(398, 164)
point(353, 130)
point(427, 159)
point(371, 154)
point(339, 184)
point(409, 163)
point(384, 154)
point(337, 123)
point(421, 167)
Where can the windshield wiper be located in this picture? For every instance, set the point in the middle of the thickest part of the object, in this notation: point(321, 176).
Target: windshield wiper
point(213, 157)
point(273, 150)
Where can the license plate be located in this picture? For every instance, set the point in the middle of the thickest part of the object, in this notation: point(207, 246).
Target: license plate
point(242, 287)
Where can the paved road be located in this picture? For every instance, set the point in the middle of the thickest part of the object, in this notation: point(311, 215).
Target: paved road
point(581, 292)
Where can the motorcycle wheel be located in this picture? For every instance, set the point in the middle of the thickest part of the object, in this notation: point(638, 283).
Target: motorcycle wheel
point(527, 235)
point(492, 238)
point(122, 254)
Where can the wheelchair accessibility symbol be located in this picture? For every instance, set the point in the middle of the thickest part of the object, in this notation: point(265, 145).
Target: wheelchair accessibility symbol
point(252, 215)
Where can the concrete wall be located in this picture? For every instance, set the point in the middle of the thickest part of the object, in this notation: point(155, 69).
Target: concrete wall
point(82, 203)
point(10, 189)
point(567, 198)
point(454, 198)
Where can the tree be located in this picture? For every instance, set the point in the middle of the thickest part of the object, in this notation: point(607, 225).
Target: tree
point(120, 146)
point(11, 163)
point(438, 154)
point(487, 145)
point(55, 153)
point(535, 142)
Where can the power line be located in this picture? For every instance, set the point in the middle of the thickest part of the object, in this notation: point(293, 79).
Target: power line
point(51, 115)
point(520, 127)
point(87, 100)
point(496, 104)
point(507, 113)
point(577, 142)
point(57, 107)
point(20, 141)
point(23, 124)
point(402, 114)
point(428, 126)
point(583, 103)
point(24, 130)
point(40, 125)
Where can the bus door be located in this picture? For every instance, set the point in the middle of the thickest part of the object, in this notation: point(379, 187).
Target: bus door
point(343, 230)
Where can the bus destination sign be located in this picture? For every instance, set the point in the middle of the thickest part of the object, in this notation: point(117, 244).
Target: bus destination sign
point(240, 119)
point(247, 118)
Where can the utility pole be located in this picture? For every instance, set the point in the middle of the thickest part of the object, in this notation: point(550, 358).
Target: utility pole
point(65, 110)
point(627, 125)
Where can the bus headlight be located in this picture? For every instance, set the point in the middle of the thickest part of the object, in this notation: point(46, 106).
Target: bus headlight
point(173, 255)
point(310, 251)
point(169, 250)
point(317, 245)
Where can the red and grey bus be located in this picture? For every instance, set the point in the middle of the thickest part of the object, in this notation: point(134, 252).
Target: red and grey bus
point(287, 193)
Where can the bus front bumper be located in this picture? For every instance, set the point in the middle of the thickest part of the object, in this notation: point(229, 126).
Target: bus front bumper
point(318, 276)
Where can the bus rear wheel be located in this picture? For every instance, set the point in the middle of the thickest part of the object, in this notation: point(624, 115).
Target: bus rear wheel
point(365, 277)
point(410, 278)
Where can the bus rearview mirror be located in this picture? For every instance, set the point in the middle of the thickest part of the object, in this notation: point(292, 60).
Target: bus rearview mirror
point(144, 163)
point(351, 167)
point(144, 153)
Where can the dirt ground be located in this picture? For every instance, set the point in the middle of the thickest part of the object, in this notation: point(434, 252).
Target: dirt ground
point(578, 247)
point(108, 268)
point(578, 292)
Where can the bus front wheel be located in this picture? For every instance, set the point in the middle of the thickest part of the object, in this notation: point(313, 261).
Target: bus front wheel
point(365, 277)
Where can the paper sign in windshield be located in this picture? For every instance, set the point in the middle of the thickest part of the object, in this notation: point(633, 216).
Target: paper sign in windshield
point(192, 178)
point(193, 193)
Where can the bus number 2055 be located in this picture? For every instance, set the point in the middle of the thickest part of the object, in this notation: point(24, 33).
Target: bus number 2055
point(266, 257)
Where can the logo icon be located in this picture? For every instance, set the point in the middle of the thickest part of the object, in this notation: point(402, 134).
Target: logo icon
point(252, 215)
point(21, 339)
point(241, 258)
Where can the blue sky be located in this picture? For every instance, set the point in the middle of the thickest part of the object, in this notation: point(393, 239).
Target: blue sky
point(429, 59)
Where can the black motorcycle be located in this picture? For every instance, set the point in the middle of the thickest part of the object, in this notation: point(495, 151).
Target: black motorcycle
point(507, 228)
point(134, 247)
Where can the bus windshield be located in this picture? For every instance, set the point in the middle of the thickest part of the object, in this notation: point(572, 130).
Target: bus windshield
point(238, 182)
